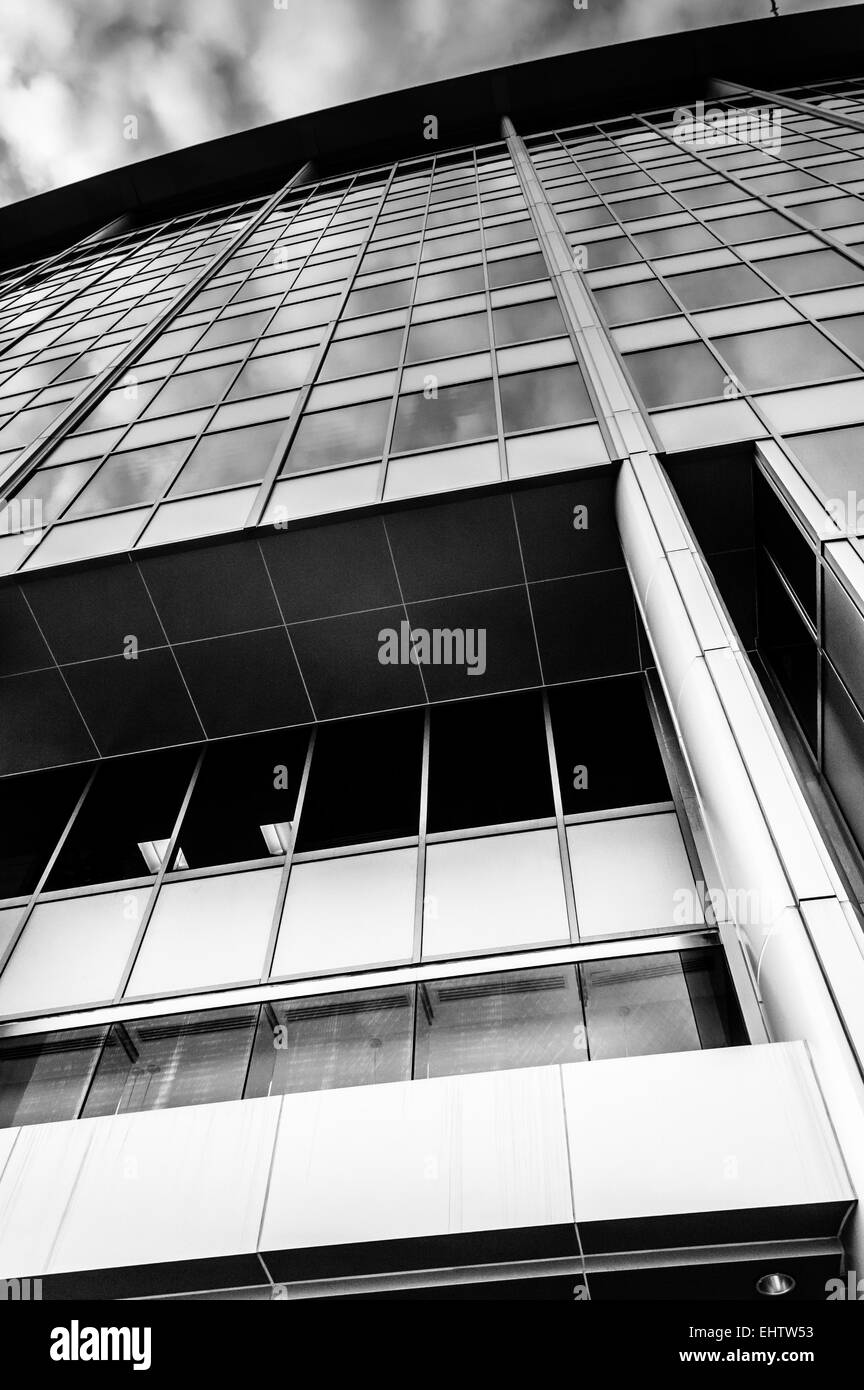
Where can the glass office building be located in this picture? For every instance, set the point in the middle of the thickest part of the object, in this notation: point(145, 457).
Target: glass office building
point(432, 695)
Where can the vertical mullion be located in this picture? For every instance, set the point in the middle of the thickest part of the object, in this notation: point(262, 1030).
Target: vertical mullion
point(420, 891)
point(560, 828)
point(282, 890)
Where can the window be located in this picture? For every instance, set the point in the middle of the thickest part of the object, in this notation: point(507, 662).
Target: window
point(686, 372)
point(470, 783)
point(329, 437)
point(812, 270)
point(555, 396)
point(347, 912)
point(647, 299)
point(833, 460)
point(394, 294)
point(126, 820)
point(130, 478)
point(639, 1006)
point(188, 390)
point(353, 796)
point(516, 270)
point(850, 331)
point(281, 371)
point(783, 357)
point(605, 747)
point(34, 810)
point(675, 241)
point(520, 323)
point(207, 932)
point(655, 890)
point(725, 284)
point(331, 1040)
point(43, 1077)
point(182, 1059)
point(447, 337)
point(367, 353)
point(447, 284)
point(230, 456)
point(523, 1018)
point(456, 413)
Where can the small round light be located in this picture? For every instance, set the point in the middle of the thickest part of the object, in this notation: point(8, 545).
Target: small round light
point(773, 1285)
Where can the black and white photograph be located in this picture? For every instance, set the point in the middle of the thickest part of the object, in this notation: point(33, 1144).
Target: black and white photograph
point(431, 676)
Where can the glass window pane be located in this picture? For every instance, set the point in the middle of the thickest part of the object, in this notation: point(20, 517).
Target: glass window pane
point(779, 357)
point(605, 746)
point(207, 931)
point(456, 413)
point(833, 460)
point(638, 1007)
point(188, 390)
point(374, 300)
point(447, 337)
point(493, 893)
point(521, 1018)
point(43, 497)
point(326, 1041)
point(368, 353)
point(812, 270)
point(631, 874)
point(182, 1059)
point(448, 283)
point(686, 372)
point(126, 820)
point(520, 323)
point(724, 284)
point(344, 913)
point(34, 810)
point(243, 803)
point(516, 270)
point(231, 456)
point(471, 733)
point(130, 478)
point(329, 437)
point(44, 1077)
point(628, 303)
point(71, 952)
point(554, 396)
point(380, 800)
point(281, 371)
point(850, 330)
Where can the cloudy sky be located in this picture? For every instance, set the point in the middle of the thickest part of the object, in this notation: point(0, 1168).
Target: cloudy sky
point(73, 71)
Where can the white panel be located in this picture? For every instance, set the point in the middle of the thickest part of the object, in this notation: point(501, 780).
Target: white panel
point(207, 932)
point(553, 451)
point(100, 535)
point(815, 407)
point(524, 357)
point(471, 367)
point(37, 1182)
point(200, 516)
point(741, 318)
point(631, 875)
point(739, 1127)
point(277, 406)
point(442, 470)
point(9, 918)
point(459, 1153)
point(656, 333)
point(372, 386)
point(493, 892)
point(169, 1185)
point(697, 426)
point(344, 912)
point(318, 493)
point(72, 951)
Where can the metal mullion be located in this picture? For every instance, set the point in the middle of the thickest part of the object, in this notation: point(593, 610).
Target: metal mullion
point(601, 417)
point(778, 99)
point(282, 890)
point(560, 830)
point(43, 877)
point(403, 350)
point(420, 890)
point(150, 905)
point(39, 450)
point(493, 352)
point(283, 444)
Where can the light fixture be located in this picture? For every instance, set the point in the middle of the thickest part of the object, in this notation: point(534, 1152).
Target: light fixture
point(153, 852)
point(773, 1285)
point(277, 837)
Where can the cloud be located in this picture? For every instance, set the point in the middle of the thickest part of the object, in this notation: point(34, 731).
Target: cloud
point(73, 71)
